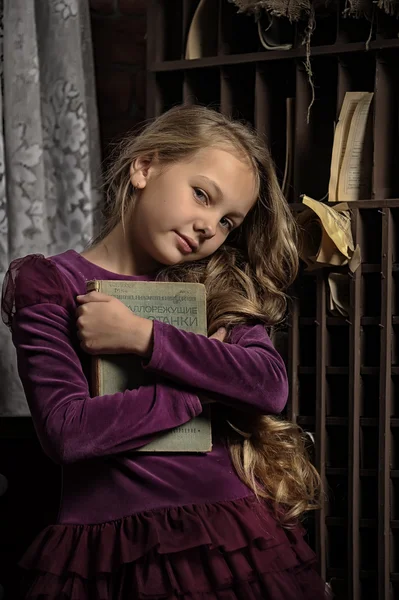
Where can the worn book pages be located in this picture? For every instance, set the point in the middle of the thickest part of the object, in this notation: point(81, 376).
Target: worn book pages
point(349, 142)
point(202, 35)
point(180, 304)
point(355, 175)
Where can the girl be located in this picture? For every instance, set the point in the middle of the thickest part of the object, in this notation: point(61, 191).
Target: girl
point(194, 197)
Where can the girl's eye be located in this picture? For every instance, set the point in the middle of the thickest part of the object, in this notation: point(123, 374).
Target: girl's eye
point(227, 224)
point(200, 195)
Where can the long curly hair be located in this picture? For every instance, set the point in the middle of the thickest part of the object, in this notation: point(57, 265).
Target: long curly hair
point(245, 279)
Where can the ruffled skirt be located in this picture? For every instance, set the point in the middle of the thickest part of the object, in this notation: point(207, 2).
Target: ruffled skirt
point(224, 551)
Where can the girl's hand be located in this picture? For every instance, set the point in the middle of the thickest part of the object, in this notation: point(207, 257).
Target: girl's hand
point(106, 326)
point(220, 334)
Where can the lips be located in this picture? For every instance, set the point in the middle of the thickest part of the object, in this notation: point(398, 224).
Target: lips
point(190, 244)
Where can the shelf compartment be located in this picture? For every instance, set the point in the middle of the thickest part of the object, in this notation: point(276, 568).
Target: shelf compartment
point(169, 91)
point(369, 498)
point(395, 396)
point(394, 562)
point(307, 347)
point(307, 394)
point(369, 395)
point(351, 29)
point(368, 550)
point(325, 27)
point(203, 89)
point(305, 289)
point(238, 32)
point(336, 446)
point(394, 439)
point(387, 26)
point(238, 92)
point(337, 490)
point(170, 44)
point(370, 346)
point(368, 587)
point(337, 395)
point(274, 110)
point(371, 295)
point(337, 347)
point(337, 549)
point(313, 140)
point(370, 235)
point(369, 447)
point(386, 139)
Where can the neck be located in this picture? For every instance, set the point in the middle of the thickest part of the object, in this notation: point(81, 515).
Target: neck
point(115, 253)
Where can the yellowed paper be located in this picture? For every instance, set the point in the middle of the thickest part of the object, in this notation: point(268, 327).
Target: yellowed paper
point(202, 35)
point(355, 175)
point(341, 134)
point(326, 236)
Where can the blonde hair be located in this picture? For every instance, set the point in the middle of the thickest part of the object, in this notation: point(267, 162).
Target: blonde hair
point(245, 280)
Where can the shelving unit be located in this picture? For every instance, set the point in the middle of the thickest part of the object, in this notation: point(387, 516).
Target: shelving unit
point(344, 373)
point(349, 368)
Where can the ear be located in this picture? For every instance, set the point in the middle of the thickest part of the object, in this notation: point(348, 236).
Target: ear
point(140, 170)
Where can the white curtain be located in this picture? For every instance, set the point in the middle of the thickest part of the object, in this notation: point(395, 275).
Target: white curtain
point(49, 144)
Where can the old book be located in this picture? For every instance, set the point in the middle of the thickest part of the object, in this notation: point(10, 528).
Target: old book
point(354, 181)
point(180, 304)
point(351, 157)
point(203, 32)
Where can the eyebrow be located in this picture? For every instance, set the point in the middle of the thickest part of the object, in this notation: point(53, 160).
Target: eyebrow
point(220, 194)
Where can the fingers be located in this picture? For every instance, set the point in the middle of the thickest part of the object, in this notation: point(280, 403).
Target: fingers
point(220, 334)
point(93, 297)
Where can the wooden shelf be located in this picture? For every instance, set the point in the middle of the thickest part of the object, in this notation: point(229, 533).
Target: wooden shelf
point(270, 56)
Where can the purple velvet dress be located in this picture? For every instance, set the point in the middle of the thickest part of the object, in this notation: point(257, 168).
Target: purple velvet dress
point(131, 525)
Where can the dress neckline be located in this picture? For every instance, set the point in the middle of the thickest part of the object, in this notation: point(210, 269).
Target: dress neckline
point(110, 274)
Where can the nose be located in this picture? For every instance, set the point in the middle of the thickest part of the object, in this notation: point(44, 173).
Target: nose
point(207, 230)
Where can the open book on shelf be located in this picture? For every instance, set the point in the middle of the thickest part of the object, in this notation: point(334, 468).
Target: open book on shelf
point(351, 162)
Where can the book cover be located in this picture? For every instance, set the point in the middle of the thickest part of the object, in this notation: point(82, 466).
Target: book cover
point(180, 304)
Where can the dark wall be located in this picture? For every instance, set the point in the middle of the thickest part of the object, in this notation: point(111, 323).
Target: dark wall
point(118, 30)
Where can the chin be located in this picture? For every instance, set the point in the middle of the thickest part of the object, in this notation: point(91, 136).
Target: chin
point(167, 261)
point(170, 263)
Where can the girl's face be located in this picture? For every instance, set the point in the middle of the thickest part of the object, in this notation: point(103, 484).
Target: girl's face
point(185, 211)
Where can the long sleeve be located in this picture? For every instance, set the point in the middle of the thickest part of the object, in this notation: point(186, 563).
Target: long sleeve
point(247, 373)
point(70, 424)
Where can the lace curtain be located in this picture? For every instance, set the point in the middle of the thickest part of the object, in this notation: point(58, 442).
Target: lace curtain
point(49, 144)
